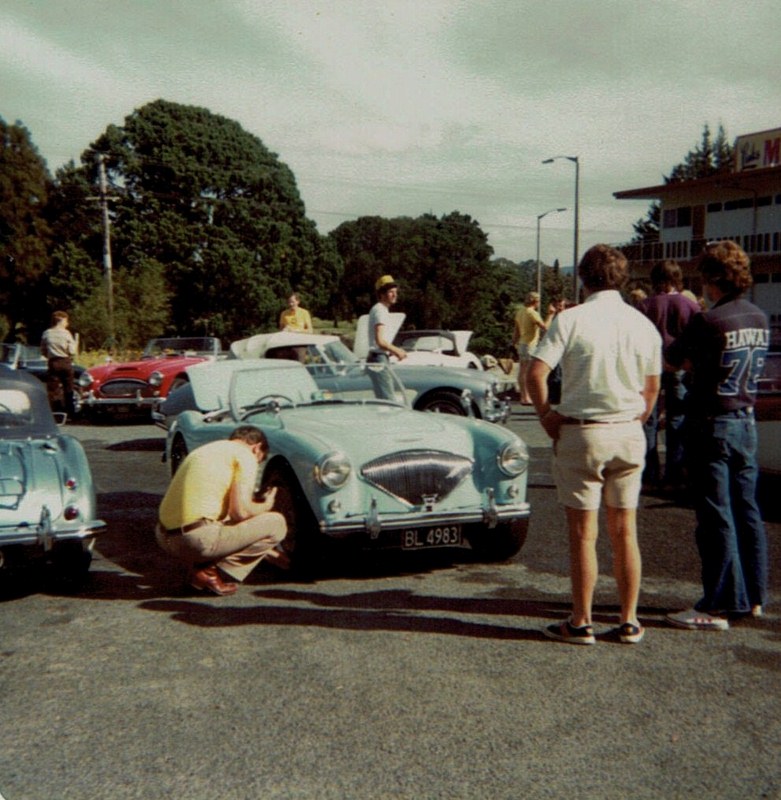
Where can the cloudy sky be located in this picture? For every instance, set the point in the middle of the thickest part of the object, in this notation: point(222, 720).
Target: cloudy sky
point(403, 107)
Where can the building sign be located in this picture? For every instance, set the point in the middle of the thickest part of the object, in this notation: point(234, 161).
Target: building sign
point(758, 150)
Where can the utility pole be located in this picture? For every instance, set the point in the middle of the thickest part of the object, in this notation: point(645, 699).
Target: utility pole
point(107, 268)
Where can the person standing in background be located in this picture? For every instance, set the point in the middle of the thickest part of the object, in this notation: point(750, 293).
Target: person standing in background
point(294, 317)
point(59, 348)
point(724, 348)
point(670, 311)
point(527, 329)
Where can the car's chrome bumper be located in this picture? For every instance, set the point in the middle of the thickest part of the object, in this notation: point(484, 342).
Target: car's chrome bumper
point(45, 537)
point(374, 523)
point(499, 413)
point(90, 400)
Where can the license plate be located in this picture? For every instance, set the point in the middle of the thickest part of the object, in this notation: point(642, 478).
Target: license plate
point(423, 538)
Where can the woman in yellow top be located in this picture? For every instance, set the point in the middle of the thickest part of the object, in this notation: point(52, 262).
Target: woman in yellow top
point(295, 318)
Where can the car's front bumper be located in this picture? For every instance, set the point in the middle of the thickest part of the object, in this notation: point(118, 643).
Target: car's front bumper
point(373, 524)
point(90, 400)
point(498, 413)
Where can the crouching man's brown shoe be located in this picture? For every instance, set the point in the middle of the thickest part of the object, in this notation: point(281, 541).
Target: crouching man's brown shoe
point(207, 579)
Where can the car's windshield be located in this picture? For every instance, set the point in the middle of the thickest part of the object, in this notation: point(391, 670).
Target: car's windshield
point(288, 384)
point(292, 384)
point(428, 342)
point(338, 353)
point(15, 409)
point(182, 346)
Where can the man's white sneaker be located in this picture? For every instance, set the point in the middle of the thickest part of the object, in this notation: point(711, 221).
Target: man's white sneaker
point(694, 620)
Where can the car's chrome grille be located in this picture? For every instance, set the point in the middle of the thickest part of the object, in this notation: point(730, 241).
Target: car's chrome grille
point(123, 388)
point(419, 477)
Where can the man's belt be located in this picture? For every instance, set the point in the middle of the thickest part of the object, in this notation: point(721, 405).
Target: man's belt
point(575, 421)
point(191, 526)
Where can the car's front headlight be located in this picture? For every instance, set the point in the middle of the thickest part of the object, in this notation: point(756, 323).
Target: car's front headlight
point(513, 458)
point(156, 378)
point(85, 380)
point(333, 470)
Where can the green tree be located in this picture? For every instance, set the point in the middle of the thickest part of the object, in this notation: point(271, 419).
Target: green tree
point(216, 213)
point(444, 267)
point(709, 157)
point(24, 232)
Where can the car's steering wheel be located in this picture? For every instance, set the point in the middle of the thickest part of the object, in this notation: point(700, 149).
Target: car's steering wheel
point(264, 401)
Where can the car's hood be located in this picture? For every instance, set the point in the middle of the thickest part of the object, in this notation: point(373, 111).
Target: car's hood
point(377, 429)
point(30, 479)
point(143, 367)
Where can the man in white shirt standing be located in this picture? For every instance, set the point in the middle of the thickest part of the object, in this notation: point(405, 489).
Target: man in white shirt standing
point(59, 347)
point(380, 347)
point(611, 362)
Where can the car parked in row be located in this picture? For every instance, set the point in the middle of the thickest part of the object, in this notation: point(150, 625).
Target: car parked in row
point(140, 385)
point(768, 415)
point(352, 466)
point(28, 358)
point(47, 497)
point(447, 390)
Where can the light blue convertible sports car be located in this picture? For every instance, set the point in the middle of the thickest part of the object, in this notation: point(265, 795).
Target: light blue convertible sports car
point(47, 498)
point(356, 464)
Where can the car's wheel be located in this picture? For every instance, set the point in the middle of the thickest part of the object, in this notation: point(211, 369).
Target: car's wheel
point(70, 562)
point(499, 543)
point(178, 453)
point(300, 544)
point(442, 402)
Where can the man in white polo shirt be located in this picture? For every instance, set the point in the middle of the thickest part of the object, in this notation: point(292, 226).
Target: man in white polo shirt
point(610, 355)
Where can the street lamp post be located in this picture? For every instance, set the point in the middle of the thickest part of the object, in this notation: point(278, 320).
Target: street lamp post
point(576, 161)
point(539, 268)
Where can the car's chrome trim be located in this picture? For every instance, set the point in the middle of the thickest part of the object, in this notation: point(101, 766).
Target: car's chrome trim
point(36, 535)
point(373, 523)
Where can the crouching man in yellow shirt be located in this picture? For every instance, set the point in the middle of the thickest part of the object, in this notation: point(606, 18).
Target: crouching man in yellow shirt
point(208, 518)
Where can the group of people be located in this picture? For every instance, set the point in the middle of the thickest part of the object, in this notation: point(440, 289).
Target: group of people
point(614, 360)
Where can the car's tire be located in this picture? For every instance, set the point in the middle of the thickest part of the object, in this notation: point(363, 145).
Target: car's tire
point(178, 453)
point(69, 563)
point(500, 543)
point(301, 543)
point(442, 402)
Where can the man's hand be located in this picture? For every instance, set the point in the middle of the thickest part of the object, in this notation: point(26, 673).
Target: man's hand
point(551, 424)
point(268, 499)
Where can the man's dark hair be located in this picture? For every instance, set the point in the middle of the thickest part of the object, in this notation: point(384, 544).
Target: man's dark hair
point(666, 276)
point(249, 434)
point(603, 267)
point(726, 265)
point(58, 315)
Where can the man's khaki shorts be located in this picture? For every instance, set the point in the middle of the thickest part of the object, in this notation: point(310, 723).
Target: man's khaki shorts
point(592, 462)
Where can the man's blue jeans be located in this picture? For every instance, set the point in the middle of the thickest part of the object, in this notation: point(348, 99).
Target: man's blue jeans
point(730, 533)
point(673, 396)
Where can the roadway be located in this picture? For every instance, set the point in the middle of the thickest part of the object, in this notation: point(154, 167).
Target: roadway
point(424, 680)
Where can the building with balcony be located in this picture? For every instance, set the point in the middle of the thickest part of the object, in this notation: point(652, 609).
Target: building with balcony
point(743, 205)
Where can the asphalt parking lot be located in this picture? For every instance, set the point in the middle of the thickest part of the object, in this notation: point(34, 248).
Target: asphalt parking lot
point(415, 679)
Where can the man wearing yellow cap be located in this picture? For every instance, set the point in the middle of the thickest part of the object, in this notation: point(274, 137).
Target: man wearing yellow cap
point(379, 319)
point(380, 348)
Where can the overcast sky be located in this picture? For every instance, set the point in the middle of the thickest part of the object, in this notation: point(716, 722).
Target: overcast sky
point(403, 107)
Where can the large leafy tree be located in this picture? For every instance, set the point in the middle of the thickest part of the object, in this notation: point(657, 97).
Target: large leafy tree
point(204, 217)
point(711, 156)
point(445, 270)
point(24, 232)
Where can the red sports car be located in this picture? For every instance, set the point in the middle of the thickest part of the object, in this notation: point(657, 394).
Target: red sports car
point(138, 385)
